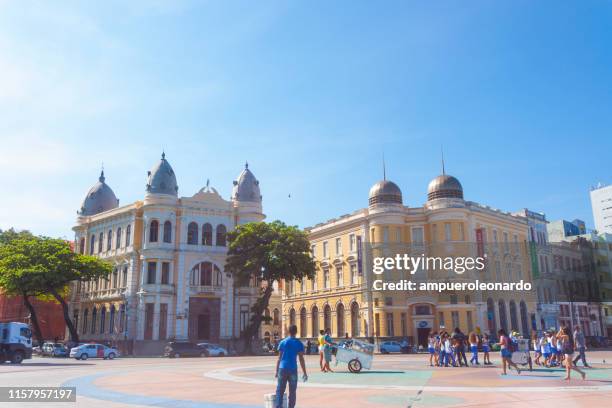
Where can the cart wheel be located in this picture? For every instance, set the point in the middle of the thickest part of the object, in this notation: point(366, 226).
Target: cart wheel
point(354, 366)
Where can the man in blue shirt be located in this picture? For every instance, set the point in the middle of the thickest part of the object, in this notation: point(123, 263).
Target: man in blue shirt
point(286, 367)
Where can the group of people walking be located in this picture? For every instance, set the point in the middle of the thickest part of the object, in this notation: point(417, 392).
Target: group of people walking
point(449, 349)
point(550, 349)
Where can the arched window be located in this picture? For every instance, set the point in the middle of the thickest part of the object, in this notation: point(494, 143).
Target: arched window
point(354, 319)
point(92, 244)
point(206, 274)
point(221, 234)
point(340, 320)
point(303, 322)
point(292, 317)
point(207, 234)
point(103, 320)
point(524, 318)
point(118, 238)
point(153, 231)
point(327, 317)
point(85, 320)
point(128, 235)
point(167, 232)
point(111, 320)
point(82, 246)
point(94, 317)
point(115, 278)
point(192, 233)
point(109, 240)
point(491, 317)
point(315, 321)
point(514, 316)
point(100, 242)
point(276, 317)
point(503, 319)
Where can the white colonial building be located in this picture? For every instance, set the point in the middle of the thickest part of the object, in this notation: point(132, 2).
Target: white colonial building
point(168, 254)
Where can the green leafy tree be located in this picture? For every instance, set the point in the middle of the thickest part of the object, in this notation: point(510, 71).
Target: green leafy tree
point(47, 266)
point(18, 280)
point(267, 252)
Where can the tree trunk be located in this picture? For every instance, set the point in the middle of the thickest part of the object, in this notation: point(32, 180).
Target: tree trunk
point(74, 336)
point(258, 310)
point(33, 319)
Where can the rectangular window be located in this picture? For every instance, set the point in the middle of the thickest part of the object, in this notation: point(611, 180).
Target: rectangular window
point(326, 278)
point(447, 231)
point(303, 286)
point(314, 282)
point(324, 249)
point(149, 313)
point(354, 277)
point(455, 318)
point(404, 325)
point(417, 236)
point(377, 324)
point(313, 250)
point(461, 232)
point(388, 301)
point(390, 330)
point(506, 243)
point(398, 234)
point(151, 272)
point(352, 242)
point(124, 278)
point(244, 317)
point(385, 234)
point(163, 320)
point(434, 233)
point(338, 246)
point(165, 278)
point(339, 276)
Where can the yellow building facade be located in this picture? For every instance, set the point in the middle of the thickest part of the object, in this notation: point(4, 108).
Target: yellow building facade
point(344, 297)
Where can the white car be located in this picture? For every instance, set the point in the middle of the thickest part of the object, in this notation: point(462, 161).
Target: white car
point(213, 350)
point(85, 351)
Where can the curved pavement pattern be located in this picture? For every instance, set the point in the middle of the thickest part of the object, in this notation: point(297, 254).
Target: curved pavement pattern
point(394, 381)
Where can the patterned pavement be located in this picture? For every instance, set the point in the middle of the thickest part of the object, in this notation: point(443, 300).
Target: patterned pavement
point(394, 381)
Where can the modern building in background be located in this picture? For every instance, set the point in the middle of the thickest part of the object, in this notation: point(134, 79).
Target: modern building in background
point(169, 255)
point(341, 296)
point(601, 203)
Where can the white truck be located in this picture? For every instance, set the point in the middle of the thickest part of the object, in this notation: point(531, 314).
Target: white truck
point(15, 342)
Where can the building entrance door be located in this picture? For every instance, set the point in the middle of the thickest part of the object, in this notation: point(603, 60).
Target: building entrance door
point(204, 319)
point(204, 326)
point(422, 335)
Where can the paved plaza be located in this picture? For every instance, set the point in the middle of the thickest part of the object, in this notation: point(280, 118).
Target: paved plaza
point(231, 382)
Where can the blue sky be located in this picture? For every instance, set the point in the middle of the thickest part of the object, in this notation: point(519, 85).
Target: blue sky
point(519, 93)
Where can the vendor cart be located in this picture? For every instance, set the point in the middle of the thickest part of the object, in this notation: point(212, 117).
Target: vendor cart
point(357, 354)
point(520, 354)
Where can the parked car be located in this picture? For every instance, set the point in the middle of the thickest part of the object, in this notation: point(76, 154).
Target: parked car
point(54, 350)
point(213, 350)
point(387, 347)
point(85, 351)
point(176, 349)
